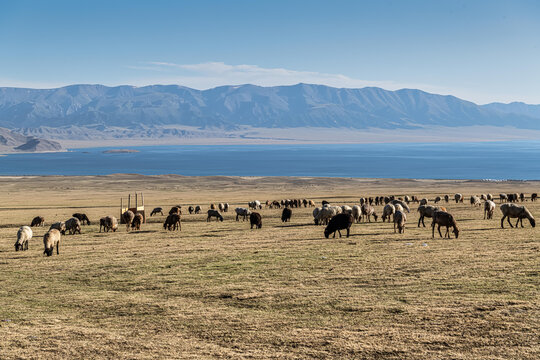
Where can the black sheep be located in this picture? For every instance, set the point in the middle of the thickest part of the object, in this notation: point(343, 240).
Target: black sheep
point(82, 218)
point(286, 215)
point(337, 223)
point(255, 219)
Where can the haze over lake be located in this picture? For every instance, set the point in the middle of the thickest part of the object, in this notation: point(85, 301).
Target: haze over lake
point(482, 160)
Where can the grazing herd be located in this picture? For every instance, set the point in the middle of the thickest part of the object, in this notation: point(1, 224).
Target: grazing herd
point(336, 218)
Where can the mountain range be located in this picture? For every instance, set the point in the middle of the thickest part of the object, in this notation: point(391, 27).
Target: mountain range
point(90, 111)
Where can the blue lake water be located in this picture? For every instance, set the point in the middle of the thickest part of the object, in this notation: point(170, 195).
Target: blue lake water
point(483, 160)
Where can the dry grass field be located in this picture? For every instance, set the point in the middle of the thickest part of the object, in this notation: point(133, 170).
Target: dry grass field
point(221, 290)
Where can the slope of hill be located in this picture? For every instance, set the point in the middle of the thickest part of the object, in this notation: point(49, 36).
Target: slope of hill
point(11, 141)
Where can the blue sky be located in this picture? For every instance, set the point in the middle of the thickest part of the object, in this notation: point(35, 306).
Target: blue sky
point(482, 51)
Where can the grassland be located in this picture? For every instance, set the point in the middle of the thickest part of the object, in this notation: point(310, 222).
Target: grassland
point(220, 290)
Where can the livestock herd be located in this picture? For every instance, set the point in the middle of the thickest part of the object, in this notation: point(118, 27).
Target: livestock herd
point(336, 218)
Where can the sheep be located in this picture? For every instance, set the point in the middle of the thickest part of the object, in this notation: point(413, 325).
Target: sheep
point(388, 210)
point(338, 209)
point(407, 199)
point(156, 211)
point(534, 196)
point(399, 221)
point(475, 201)
point(446, 198)
point(172, 222)
point(73, 225)
point(255, 204)
point(137, 222)
point(489, 197)
point(38, 221)
point(212, 206)
point(515, 211)
point(311, 203)
point(190, 209)
point(177, 209)
point(50, 240)
point(23, 236)
point(82, 218)
point(108, 223)
point(60, 226)
point(325, 203)
point(362, 201)
point(522, 197)
point(240, 211)
point(403, 204)
point(198, 209)
point(357, 213)
point(426, 211)
point(458, 198)
point(424, 201)
point(305, 202)
point(128, 217)
point(214, 213)
point(489, 208)
point(286, 215)
point(221, 207)
point(226, 207)
point(337, 223)
point(442, 218)
point(315, 215)
point(398, 207)
point(325, 214)
point(255, 219)
point(275, 204)
point(437, 199)
point(368, 211)
point(503, 197)
point(346, 209)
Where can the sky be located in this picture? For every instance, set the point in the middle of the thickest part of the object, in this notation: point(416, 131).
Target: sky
point(483, 51)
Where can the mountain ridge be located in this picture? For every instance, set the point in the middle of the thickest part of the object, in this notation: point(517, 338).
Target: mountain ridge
point(229, 107)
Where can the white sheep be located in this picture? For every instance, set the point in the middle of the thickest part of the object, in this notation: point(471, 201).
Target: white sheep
point(50, 240)
point(388, 210)
point(489, 208)
point(356, 213)
point(23, 236)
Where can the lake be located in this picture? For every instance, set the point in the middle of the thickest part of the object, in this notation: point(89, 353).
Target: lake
point(482, 160)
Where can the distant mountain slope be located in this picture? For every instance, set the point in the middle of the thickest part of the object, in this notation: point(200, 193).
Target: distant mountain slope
point(515, 108)
point(228, 107)
point(11, 141)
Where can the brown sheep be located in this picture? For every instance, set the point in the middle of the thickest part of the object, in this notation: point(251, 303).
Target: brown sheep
point(214, 213)
point(38, 221)
point(173, 223)
point(128, 217)
point(50, 240)
point(426, 211)
point(368, 211)
point(177, 209)
point(82, 218)
point(399, 221)
point(137, 221)
point(255, 219)
point(441, 218)
point(108, 223)
point(73, 225)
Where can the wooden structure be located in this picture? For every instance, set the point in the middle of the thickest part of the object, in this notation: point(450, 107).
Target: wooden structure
point(137, 209)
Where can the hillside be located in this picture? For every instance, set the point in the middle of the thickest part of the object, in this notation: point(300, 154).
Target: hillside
point(11, 141)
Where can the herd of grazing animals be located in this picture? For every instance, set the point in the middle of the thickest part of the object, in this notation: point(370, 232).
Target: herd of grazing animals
point(335, 217)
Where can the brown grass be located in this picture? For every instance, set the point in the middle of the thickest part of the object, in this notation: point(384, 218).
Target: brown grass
point(220, 290)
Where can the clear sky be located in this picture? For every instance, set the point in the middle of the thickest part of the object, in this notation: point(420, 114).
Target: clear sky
point(482, 51)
